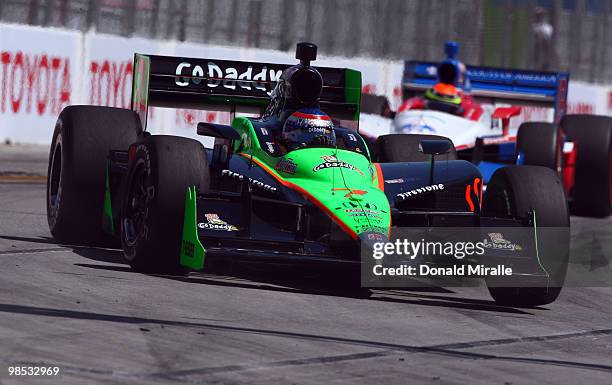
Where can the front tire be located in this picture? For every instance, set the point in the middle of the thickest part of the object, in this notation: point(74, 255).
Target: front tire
point(162, 169)
point(517, 192)
point(82, 139)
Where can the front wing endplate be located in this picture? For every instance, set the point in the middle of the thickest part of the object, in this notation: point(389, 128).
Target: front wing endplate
point(192, 250)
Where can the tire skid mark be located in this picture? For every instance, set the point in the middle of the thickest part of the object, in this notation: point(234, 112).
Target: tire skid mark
point(192, 375)
point(276, 364)
point(180, 375)
point(507, 341)
point(54, 249)
point(34, 251)
point(75, 314)
point(449, 350)
point(22, 212)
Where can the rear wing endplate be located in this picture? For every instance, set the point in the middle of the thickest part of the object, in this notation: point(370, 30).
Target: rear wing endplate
point(496, 85)
point(233, 86)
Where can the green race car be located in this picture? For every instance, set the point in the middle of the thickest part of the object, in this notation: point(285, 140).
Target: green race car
point(297, 183)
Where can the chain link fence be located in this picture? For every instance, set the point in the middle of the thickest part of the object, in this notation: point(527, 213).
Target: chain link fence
point(569, 35)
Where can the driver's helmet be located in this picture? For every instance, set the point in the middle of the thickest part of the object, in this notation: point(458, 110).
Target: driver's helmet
point(308, 127)
point(444, 97)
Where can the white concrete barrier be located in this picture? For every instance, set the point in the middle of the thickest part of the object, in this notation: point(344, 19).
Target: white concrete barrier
point(43, 70)
point(39, 73)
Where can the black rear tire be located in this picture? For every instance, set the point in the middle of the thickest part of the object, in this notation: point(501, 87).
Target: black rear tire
point(591, 194)
point(82, 139)
point(539, 144)
point(162, 169)
point(405, 148)
point(514, 192)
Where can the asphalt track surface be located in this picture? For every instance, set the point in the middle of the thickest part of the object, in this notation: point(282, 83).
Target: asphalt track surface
point(82, 309)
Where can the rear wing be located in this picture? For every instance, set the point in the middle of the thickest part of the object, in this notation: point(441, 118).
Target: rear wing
point(496, 85)
point(233, 86)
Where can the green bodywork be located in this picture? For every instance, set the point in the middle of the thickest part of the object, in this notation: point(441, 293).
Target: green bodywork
point(347, 190)
point(352, 90)
point(192, 251)
point(343, 184)
point(140, 87)
point(349, 194)
point(108, 221)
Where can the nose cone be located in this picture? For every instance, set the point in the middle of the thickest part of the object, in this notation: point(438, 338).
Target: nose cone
point(369, 239)
point(341, 183)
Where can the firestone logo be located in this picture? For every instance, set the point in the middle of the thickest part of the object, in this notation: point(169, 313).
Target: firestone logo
point(420, 190)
